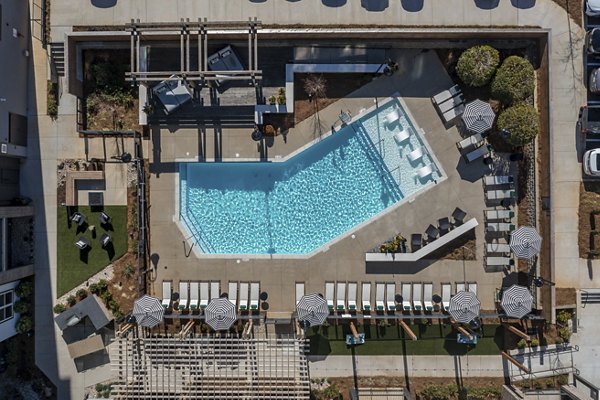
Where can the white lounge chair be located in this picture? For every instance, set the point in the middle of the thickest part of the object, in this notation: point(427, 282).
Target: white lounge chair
point(460, 287)
point(379, 296)
point(416, 154)
point(366, 296)
point(215, 291)
point(473, 140)
point(478, 153)
point(417, 293)
point(498, 261)
point(453, 113)
point(451, 103)
point(167, 293)
point(473, 287)
point(232, 292)
point(497, 248)
point(499, 227)
point(340, 299)
point(392, 117)
point(193, 295)
point(204, 294)
point(183, 295)
point(497, 180)
point(497, 215)
point(500, 194)
point(446, 288)
point(352, 286)
point(299, 291)
point(428, 296)
point(390, 296)
point(425, 171)
point(329, 294)
point(244, 295)
point(401, 136)
point(446, 94)
point(406, 303)
point(254, 294)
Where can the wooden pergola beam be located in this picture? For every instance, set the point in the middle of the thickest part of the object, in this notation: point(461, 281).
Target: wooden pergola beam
point(353, 330)
point(408, 331)
point(513, 361)
point(517, 332)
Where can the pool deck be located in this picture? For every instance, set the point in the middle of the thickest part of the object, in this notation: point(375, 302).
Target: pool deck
point(344, 260)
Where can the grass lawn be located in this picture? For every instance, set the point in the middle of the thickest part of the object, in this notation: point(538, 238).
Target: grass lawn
point(433, 340)
point(75, 266)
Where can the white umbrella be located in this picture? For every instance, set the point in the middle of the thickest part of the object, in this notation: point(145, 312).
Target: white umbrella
point(516, 301)
point(478, 116)
point(525, 242)
point(220, 314)
point(313, 309)
point(148, 311)
point(464, 307)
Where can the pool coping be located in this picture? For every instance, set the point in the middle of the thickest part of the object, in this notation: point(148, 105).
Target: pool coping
point(348, 233)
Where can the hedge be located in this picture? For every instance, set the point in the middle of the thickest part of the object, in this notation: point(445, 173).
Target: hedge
point(514, 80)
point(476, 66)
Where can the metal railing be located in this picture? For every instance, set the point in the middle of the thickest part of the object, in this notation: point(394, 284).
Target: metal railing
point(142, 248)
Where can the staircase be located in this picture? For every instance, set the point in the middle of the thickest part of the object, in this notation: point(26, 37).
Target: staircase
point(590, 296)
point(57, 54)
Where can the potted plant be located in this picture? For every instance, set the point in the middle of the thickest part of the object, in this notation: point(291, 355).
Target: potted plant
point(280, 99)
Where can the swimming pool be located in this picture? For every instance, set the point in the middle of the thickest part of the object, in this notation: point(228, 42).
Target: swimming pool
point(306, 201)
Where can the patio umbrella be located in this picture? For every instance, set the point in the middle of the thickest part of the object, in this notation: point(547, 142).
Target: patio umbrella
point(525, 242)
point(220, 314)
point(148, 311)
point(464, 307)
point(312, 308)
point(478, 116)
point(517, 301)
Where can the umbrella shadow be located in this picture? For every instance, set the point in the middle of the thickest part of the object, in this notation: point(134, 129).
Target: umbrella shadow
point(473, 171)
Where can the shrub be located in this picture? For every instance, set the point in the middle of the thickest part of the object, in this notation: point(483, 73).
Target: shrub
point(24, 289)
point(129, 270)
point(535, 342)
point(565, 333)
point(22, 306)
point(108, 77)
point(514, 81)
point(71, 300)
point(102, 285)
point(94, 288)
point(521, 344)
point(52, 99)
point(563, 316)
point(523, 123)
point(81, 294)
point(476, 66)
point(438, 392)
point(24, 324)
point(59, 308)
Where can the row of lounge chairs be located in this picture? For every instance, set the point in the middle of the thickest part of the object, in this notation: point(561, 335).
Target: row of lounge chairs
point(450, 103)
point(433, 232)
point(498, 221)
point(196, 295)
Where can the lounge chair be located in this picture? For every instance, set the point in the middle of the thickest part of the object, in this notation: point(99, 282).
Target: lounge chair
point(499, 227)
point(82, 243)
point(444, 224)
point(104, 218)
point(232, 292)
point(390, 296)
point(428, 296)
point(345, 117)
point(244, 296)
point(352, 296)
point(193, 295)
point(416, 241)
point(406, 305)
point(499, 261)
point(497, 248)
point(479, 152)
point(417, 294)
point(426, 171)
point(401, 136)
point(446, 288)
point(500, 194)
point(379, 296)
point(453, 113)
point(475, 140)
point(183, 295)
point(167, 293)
point(432, 233)
point(299, 291)
point(254, 294)
point(446, 95)
point(454, 102)
point(204, 296)
point(78, 218)
point(366, 296)
point(392, 117)
point(416, 154)
point(473, 287)
point(460, 287)
point(105, 240)
point(458, 216)
point(215, 291)
point(496, 215)
point(497, 180)
point(329, 294)
point(340, 299)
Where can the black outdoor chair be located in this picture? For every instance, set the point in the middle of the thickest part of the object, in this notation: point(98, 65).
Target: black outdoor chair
point(416, 241)
point(432, 233)
point(82, 243)
point(444, 225)
point(105, 239)
point(458, 216)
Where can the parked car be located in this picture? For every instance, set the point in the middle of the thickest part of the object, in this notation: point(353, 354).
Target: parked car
point(591, 162)
point(594, 82)
point(592, 42)
point(592, 8)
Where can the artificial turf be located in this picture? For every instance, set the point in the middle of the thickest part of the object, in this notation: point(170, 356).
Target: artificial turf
point(74, 265)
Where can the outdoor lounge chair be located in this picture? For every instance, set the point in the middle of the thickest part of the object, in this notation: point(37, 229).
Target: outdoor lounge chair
point(232, 292)
point(183, 295)
point(392, 117)
point(499, 261)
point(390, 296)
point(446, 288)
point(432, 233)
point(473, 287)
point(215, 290)
point(78, 218)
point(82, 243)
point(475, 140)
point(299, 291)
point(244, 288)
point(497, 248)
point(379, 296)
point(500, 194)
point(254, 293)
point(454, 102)
point(352, 296)
point(417, 293)
point(458, 216)
point(105, 239)
point(366, 296)
point(460, 287)
point(193, 295)
point(406, 306)
point(497, 180)
point(204, 296)
point(340, 299)
point(416, 154)
point(499, 227)
point(479, 152)
point(497, 215)
point(426, 171)
point(416, 241)
point(444, 224)
point(451, 114)
point(401, 136)
point(446, 95)
point(329, 294)
point(167, 293)
point(104, 218)
point(428, 296)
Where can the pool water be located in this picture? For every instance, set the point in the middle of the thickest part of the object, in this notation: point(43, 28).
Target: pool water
point(297, 206)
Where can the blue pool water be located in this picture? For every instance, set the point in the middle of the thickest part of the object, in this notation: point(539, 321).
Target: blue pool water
point(296, 206)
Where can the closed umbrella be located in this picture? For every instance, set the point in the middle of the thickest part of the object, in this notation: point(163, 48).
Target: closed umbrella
point(148, 311)
point(220, 314)
point(464, 307)
point(478, 116)
point(312, 308)
point(517, 301)
point(525, 242)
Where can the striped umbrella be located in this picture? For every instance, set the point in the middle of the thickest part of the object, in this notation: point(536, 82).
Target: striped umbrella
point(525, 242)
point(312, 308)
point(478, 116)
point(464, 307)
point(220, 314)
point(148, 311)
point(516, 301)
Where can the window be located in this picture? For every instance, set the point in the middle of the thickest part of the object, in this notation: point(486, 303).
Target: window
point(6, 306)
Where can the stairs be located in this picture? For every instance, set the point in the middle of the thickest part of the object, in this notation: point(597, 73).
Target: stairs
point(57, 54)
point(590, 297)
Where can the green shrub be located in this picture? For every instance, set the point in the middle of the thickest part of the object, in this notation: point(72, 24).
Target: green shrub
point(59, 308)
point(102, 285)
point(108, 77)
point(483, 393)
point(24, 324)
point(71, 300)
point(563, 316)
point(438, 392)
point(523, 123)
point(52, 99)
point(94, 288)
point(476, 66)
point(565, 333)
point(81, 294)
point(22, 306)
point(535, 342)
point(514, 80)
point(521, 344)
point(24, 289)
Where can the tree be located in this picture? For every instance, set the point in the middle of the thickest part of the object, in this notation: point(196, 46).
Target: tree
point(522, 122)
point(315, 86)
point(24, 324)
point(476, 66)
point(514, 81)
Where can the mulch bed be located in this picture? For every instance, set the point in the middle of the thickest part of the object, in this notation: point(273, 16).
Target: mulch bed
point(589, 200)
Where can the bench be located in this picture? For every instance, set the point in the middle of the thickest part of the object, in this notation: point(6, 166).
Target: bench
point(71, 183)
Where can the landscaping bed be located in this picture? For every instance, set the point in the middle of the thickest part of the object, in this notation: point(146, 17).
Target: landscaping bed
point(589, 220)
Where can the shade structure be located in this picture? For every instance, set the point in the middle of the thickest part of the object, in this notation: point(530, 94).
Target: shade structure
point(525, 242)
point(148, 311)
point(478, 116)
point(464, 307)
point(220, 314)
point(312, 308)
point(517, 301)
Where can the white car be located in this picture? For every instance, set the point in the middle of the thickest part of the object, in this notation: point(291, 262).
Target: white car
point(592, 8)
point(591, 162)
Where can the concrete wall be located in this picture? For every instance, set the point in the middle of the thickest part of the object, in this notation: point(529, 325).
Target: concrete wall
point(7, 328)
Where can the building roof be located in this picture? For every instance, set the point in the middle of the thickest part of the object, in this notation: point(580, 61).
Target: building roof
point(91, 307)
